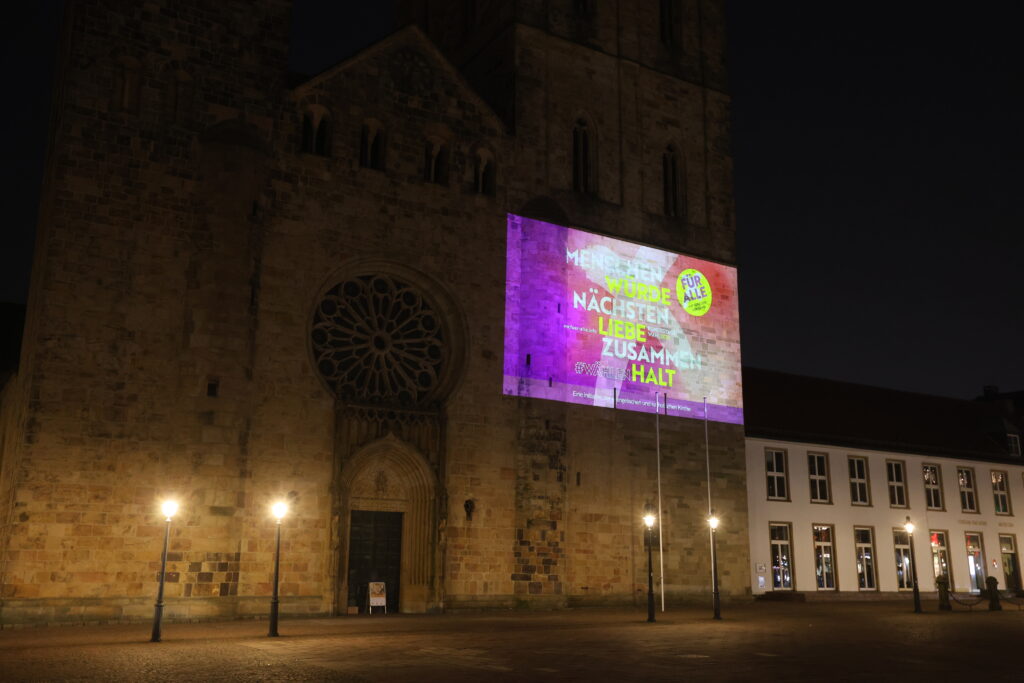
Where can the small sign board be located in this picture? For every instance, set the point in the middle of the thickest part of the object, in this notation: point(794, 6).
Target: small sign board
point(378, 595)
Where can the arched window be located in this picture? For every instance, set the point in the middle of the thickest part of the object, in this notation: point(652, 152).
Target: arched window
point(668, 21)
point(582, 158)
point(316, 132)
point(435, 161)
point(308, 133)
point(670, 182)
point(371, 146)
point(485, 176)
point(322, 142)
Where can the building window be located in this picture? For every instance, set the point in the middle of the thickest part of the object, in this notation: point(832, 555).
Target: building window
point(371, 146)
point(435, 162)
point(975, 560)
point(668, 22)
point(968, 501)
point(1001, 493)
point(583, 8)
point(484, 176)
point(1013, 444)
point(896, 472)
point(904, 571)
point(859, 492)
point(933, 487)
point(824, 557)
point(1011, 565)
point(940, 556)
point(817, 468)
point(782, 558)
point(673, 205)
point(179, 93)
point(316, 133)
point(127, 95)
point(582, 158)
point(865, 547)
point(775, 467)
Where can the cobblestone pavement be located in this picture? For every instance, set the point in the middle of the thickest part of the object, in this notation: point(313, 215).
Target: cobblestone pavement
point(761, 641)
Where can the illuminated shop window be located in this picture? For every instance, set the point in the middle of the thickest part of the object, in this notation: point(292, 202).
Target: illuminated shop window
point(860, 493)
point(940, 556)
point(975, 560)
point(865, 548)
point(904, 570)
point(824, 557)
point(1011, 564)
point(782, 558)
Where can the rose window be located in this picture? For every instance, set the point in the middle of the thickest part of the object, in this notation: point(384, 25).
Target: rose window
point(377, 340)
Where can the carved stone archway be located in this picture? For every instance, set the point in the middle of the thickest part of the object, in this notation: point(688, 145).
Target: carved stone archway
point(390, 475)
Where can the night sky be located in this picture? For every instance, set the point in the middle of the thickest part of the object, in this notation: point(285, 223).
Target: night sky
point(878, 159)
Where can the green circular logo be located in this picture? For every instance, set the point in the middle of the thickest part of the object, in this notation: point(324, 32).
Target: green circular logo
point(694, 292)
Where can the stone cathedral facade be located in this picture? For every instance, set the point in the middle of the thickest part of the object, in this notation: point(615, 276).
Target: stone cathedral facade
point(248, 290)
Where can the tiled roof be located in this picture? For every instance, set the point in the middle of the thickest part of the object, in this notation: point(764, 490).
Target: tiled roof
point(788, 407)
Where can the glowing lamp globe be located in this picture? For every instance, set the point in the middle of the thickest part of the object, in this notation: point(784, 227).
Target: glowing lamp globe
point(279, 510)
point(649, 520)
point(909, 526)
point(169, 508)
point(713, 522)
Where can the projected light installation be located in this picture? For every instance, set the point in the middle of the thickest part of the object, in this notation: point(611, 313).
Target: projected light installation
point(599, 321)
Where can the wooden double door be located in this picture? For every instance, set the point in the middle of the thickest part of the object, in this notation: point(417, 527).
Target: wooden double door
point(374, 554)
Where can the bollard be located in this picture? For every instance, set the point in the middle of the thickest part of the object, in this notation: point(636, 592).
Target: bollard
point(993, 594)
point(943, 585)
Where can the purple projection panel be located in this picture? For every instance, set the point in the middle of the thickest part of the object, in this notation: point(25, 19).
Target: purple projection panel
point(599, 321)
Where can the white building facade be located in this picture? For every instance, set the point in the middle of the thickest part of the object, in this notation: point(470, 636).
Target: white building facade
point(829, 520)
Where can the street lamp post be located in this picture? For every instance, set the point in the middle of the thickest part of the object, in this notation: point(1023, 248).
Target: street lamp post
point(715, 597)
point(909, 526)
point(169, 508)
point(279, 509)
point(649, 519)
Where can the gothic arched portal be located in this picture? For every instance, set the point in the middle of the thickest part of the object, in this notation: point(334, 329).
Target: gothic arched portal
point(387, 343)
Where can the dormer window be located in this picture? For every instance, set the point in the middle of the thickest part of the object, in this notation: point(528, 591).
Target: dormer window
point(1013, 444)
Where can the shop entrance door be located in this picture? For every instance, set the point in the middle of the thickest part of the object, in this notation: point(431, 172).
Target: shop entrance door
point(975, 561)
point(374, 554)
point(1011, 566)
